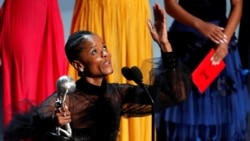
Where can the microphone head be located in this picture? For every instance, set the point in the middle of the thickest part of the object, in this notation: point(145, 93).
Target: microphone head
point(65, 83)
point(137, 74)
point(132, 74)
point(126, 72)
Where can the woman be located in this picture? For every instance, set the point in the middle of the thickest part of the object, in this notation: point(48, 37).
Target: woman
point(31, 52)
point(95, 108)
point(220, 112)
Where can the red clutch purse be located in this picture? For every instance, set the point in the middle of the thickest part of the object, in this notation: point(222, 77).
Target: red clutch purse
point(205, 73)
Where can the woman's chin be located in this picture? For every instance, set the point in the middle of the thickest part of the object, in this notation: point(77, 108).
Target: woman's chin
point(108, 71)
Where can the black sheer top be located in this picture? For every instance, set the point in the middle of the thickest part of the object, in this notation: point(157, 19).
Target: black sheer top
point(96, 110)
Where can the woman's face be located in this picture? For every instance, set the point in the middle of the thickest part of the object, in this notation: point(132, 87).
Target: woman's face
point(95, 57)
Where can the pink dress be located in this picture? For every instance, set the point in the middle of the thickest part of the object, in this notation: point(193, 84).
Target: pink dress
point(31, 51)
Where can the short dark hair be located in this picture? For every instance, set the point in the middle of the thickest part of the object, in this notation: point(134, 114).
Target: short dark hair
point(72, 48)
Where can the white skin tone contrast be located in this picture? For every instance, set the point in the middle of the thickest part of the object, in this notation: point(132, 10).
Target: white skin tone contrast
point(219, 35)
point(95, 59)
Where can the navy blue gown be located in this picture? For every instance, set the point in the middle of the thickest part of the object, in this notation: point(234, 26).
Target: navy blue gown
point(220, 112)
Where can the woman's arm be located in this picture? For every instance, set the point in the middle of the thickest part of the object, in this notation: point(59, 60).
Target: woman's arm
point(158, 31)
point(233, 20)
point(33, 124)
point(172, 83)
point(209, 30)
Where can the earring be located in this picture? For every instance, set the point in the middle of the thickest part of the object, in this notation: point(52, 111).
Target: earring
point(81, 69)
point(81, 72)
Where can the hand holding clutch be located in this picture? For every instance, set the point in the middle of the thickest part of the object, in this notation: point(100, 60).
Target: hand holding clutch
point(205, 73)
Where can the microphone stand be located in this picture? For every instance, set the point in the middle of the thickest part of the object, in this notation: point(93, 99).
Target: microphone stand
point(152, 111)
point(135, 74)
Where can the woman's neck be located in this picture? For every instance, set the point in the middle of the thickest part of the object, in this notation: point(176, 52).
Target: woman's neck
point(94, 81)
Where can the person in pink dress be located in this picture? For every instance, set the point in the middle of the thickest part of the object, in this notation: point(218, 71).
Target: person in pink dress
point(31, 52)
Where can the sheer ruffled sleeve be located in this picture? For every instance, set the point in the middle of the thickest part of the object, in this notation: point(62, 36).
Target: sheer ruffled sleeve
point(169, 84)
point(33, 124)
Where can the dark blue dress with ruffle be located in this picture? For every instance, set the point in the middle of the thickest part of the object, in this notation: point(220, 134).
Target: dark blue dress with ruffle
point(220, 113)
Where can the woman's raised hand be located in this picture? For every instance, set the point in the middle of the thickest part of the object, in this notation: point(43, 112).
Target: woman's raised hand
point(159, 30)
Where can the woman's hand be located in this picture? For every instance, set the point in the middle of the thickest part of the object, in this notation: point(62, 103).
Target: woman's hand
point(62, 116)
point(213, 32)
point(159, 30)
point(220, 53)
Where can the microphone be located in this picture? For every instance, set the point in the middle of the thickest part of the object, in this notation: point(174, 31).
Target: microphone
point(127, 73)
point(132, 74)
point(65, 85)
point(135, 74)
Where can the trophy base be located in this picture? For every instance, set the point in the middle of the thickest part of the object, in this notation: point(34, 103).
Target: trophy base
point(54, 137)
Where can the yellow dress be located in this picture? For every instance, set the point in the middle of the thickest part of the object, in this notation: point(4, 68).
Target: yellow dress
point(123, 26)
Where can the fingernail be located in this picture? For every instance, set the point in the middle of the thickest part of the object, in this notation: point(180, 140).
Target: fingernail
point(212, 59)
point(225, 40)
point(217, 62)
point(217, 42)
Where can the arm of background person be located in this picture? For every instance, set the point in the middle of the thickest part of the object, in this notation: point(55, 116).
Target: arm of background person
point(209, 30)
